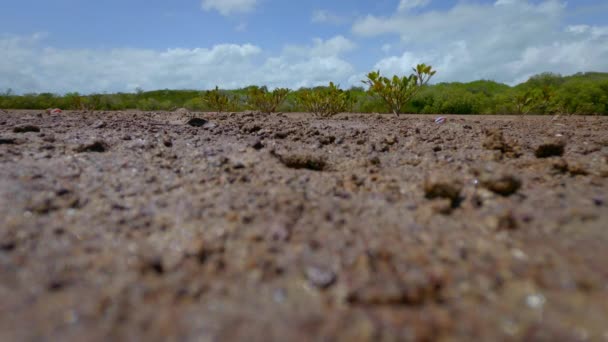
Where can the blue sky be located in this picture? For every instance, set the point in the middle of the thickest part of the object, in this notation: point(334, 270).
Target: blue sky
point(87, 46)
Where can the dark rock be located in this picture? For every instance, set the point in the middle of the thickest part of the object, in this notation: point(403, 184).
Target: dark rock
point(8, 141)
point(26, 128)
point(281, 134)
point(326, 140)
point(256, 144)
point(553, 148)
point(197, 122)
point(96, 146)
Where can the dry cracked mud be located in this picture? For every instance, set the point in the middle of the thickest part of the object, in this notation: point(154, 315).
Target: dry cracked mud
point(153, 226)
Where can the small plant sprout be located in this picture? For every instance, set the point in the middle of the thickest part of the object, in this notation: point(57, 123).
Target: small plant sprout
point(398, 91)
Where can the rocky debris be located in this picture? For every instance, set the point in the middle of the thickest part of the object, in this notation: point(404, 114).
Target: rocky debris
point(99, 124)
point(327, 139)
point(251, 127)
point(496, 141)
point(550, 148)
point(256, 144)
point(26, 128)
point(282, 134)
point(440, 185)
point(47, 201)
point(390, 140)
point(504, 220)
point(501, 183)
point(560, 165)
point(96, 146)
point(576, 168)
point(197, 122)
point(303, 161)
point(320, 277)
point(8, 141)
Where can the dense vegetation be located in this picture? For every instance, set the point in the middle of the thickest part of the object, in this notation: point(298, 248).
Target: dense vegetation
point(583, 93)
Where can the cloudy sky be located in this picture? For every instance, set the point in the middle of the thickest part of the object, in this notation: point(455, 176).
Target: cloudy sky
point(120, 45)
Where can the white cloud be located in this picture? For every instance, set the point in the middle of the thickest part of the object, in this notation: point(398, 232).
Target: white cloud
point(332, 47)
point(242, 27)
point(28, 65)
point(507, 41)
point(316, 64)
point(228, 7)
point(406, 5)
point(326, 17)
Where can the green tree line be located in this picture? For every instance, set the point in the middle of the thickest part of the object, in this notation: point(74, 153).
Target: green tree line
point(547, 93)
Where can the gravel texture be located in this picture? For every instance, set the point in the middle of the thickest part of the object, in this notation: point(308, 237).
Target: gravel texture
point(242, 226)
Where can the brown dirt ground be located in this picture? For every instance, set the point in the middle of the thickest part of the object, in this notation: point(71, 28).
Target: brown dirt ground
point(138, 226)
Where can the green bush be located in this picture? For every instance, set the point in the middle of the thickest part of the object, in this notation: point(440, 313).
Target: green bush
point(398, 91)
point(325, 101)
point(219, 100)
point(259, 98)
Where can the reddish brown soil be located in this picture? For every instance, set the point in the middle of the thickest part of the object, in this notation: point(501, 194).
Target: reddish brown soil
point(137, 226)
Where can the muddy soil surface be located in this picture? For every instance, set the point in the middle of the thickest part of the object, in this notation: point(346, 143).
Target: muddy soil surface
point(148, 226)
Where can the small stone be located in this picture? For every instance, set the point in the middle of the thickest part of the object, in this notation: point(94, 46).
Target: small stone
point(26, 128)
point(504, 185)
point(96, 146)
point(281, 134)
point(197, 122)
point(99, 124)
point(256, 144)
point(320, 276)
point(535, 301)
